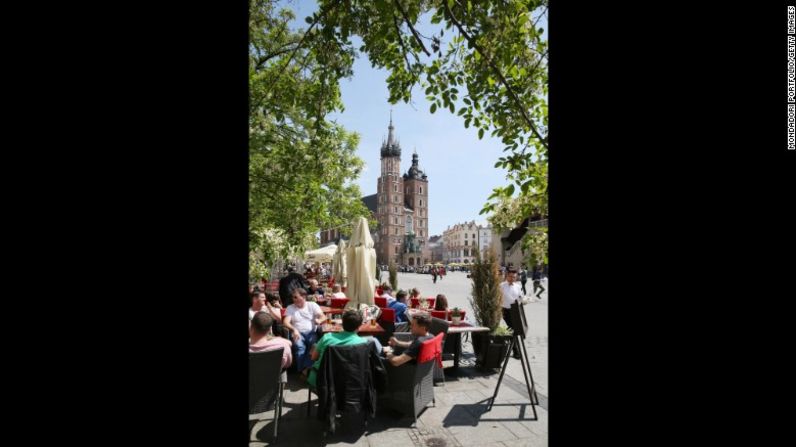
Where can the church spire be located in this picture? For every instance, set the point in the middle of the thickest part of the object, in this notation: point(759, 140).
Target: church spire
point(391, 148)
point(389, 137)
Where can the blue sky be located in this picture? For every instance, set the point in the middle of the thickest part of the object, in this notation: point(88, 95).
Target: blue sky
point(460, 167)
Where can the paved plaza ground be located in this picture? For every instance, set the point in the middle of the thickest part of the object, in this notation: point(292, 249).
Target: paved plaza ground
point(459, 417)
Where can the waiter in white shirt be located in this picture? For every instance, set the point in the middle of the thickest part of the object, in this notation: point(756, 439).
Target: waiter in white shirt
point(512, 292)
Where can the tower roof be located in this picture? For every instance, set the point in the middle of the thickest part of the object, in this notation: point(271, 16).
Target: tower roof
point(415, 172)
point(390, 148)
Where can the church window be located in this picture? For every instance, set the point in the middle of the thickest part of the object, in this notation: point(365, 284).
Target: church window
point(421, 190)
point(421, 202)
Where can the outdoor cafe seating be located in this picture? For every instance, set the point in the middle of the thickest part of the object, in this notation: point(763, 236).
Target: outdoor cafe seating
point(266, 383)
point(339, 303)
point(411, 385)
point(415, 302)
point(346, 383)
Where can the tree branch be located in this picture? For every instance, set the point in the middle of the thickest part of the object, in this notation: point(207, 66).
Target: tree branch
point(262, 60)
point(411, 28)
point(497, 71)
point(401, 40)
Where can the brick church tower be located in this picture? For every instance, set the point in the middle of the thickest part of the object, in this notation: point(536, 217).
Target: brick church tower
point(401, 208)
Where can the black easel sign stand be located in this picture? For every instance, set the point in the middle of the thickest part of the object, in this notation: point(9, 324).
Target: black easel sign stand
point(520, 329)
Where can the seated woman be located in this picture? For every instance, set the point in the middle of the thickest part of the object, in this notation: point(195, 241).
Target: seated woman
point(274, 305)
point(441, 303)
point(415, 293)
point(336, 291)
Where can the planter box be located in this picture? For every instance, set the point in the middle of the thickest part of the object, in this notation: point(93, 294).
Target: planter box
point(490, 350)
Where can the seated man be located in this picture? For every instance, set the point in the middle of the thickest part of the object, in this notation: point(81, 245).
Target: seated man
point(261, 304)
point(405, 351)
point(415, 293)
point(352, 320)
point(302, 319)
point(288, 284)
point(337, 292)
point(387, 293)
point(400, 307)
point(314, 289)
point(262, 339)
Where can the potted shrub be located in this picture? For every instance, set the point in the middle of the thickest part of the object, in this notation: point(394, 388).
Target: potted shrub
point(456, 315)
point(393, 276)
point(490, 347)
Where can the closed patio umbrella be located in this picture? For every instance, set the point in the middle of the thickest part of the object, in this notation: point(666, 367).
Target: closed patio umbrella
point(339, 264)
point(361, 264)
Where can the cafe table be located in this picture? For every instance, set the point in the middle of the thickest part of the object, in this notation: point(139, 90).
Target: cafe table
point(331, 310)
point(455, 332)
point(365, 329)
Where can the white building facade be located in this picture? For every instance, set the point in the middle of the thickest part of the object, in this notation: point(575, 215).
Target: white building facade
point(461, 242)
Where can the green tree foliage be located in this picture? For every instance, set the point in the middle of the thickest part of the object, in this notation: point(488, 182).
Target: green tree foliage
point(301, 166)
point(485, 61)
point(510, 212)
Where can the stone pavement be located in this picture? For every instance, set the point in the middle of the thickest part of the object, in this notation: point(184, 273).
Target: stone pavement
point(459, 417)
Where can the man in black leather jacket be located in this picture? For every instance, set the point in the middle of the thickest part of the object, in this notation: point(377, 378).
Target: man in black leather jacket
point(290, 283)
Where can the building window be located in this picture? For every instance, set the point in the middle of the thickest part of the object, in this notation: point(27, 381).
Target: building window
point(395, 187)
point(465, 235)
point(421, 190)
point(465, 243)
point(421, 202)
point(473, 235)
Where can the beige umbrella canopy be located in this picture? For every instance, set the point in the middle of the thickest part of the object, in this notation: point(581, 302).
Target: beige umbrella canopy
point(361, 265)
point(339, 264)
point(323, 254)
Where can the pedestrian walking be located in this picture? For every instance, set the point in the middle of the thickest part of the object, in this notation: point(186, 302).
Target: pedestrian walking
point(434, 274)
point(537, 282)
point(524, 279)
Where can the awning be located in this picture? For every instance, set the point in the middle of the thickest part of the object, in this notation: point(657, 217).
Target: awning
point(323, 254)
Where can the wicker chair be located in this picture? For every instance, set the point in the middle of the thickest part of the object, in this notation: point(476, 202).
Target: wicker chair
point(411, 385)
point(438, 325)
point(387, 321)
point(266, 383)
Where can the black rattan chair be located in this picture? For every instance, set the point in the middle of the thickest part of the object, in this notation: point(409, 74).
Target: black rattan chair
point(410, 387)
point(341, 383)
point(266, 384)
